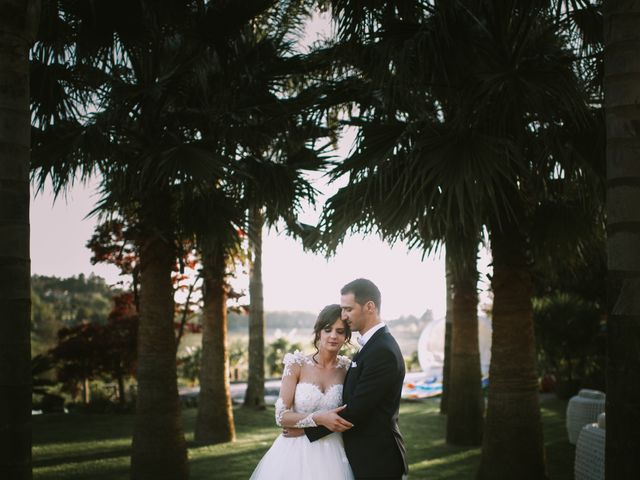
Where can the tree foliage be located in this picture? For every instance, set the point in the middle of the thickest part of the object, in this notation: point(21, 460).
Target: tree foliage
point(571, 341)
point(91, 350)
point(66, 302)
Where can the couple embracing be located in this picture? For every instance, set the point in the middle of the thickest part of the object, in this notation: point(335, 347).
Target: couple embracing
point(339, 416)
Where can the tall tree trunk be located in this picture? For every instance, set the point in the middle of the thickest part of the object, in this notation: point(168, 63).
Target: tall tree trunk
point(513, 445)
point(446, 367)
point(214, 423)
point(466, 403)
point(159, 446)
point(622, 94)
point(121, 393)
point(18, 21)
point(85, 391)
point(254, 396)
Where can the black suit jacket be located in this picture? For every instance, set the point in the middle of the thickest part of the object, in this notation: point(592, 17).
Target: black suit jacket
point(372, 389)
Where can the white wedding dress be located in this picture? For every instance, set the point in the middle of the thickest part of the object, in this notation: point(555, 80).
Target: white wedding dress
point(298, 458)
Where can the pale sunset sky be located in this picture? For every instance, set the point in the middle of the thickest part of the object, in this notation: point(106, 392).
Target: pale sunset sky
point(293, 279)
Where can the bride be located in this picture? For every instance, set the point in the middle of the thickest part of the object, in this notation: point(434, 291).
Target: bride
point(311, 387)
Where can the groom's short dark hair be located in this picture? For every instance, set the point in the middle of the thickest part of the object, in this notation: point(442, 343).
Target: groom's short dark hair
point(363, 291)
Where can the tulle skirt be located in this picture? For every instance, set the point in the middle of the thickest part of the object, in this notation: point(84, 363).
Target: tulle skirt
point(298, 458)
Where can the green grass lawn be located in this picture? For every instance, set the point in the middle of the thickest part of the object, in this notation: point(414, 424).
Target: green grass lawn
point(95, 446)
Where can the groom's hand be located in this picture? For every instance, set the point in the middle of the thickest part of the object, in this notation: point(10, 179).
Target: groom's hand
point(331, 420)
point(292, 432)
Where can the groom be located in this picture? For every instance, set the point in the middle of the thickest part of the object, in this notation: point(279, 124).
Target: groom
point(372, 389)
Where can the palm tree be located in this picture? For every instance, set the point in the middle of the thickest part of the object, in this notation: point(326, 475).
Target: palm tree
point(472, 158)
point(622, 43)
point(513, 386)
point(214, 423)
point(159, 446)
point(251, 126)
point(274, 153)
point(385, 182)
point(465, 406)
point(372, 203)
point(275, 193)
point(254, 395)
point(446, 365)
point(152, 145)
point(134, 141)
point(18, 25)
point(210, 217)
point(513, 382)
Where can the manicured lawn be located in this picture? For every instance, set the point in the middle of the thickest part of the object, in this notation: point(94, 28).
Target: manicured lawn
point(94, 446)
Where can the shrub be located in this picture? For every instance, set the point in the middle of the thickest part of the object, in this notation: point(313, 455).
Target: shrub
point(570, 342)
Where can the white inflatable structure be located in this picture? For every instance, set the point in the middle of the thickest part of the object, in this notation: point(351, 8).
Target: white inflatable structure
point(431, 346)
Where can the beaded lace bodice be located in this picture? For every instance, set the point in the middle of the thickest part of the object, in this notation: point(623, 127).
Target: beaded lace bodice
point(309, 397)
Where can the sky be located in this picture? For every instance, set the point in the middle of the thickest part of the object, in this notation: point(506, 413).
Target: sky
point(293, 279)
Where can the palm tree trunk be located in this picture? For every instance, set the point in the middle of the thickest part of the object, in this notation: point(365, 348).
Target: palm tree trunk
point(446, 367)
point(121, 393)
point(159, 446)
point(18, 20)
point(512, 444)
point(214, 422)
point(622, 91)
point(254, 396)
point(85, 391)
point(466, 403)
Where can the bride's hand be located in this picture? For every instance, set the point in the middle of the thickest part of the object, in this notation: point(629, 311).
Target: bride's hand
point(331, 420)
point(291, 432)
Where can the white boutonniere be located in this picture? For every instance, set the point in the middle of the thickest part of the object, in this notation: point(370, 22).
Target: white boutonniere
point(354, 364)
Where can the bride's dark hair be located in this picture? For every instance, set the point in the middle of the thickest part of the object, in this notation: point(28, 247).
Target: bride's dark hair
point(327, 317)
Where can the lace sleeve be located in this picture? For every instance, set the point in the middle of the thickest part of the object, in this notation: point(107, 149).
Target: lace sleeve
point(306, 422)
point(281, 409)
point(292, 364)
point(292, 359)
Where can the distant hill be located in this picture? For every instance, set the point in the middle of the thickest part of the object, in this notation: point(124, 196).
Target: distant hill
point(411, 322)
point(64, 302)
point(285, 320)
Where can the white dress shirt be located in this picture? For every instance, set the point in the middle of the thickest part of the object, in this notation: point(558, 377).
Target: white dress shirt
point(362, 339)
